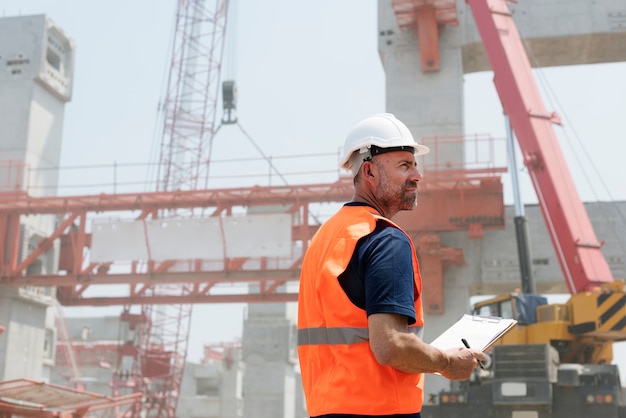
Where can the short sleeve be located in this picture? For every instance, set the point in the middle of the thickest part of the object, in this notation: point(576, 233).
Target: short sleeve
point(387, 262)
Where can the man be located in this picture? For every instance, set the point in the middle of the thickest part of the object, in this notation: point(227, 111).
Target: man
point(360, 303)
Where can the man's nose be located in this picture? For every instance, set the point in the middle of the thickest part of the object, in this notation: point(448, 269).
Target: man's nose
point(417, 175)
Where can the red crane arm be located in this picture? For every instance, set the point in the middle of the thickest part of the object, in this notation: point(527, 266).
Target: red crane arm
point(577, 249)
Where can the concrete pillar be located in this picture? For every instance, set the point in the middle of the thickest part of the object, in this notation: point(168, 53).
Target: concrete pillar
point(428, 103)
point(37, 59)
point(269, 354)
point(23, 345)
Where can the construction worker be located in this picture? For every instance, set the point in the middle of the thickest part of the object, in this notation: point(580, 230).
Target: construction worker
point(360, 316)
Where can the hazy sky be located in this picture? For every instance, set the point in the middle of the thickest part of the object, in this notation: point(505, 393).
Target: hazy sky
point(306, 71)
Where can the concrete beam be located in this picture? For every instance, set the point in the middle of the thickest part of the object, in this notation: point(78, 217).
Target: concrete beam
point(556, 32)
point(557, 51)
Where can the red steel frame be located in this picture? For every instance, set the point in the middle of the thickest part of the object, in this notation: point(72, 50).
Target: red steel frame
point(461, 204)
point(29, 398)
point(577, 248)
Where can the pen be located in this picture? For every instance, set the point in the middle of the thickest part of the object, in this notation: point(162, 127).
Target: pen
point(466, 344)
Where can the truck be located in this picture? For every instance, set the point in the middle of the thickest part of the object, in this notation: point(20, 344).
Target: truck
point(549, 366)
point(528, 381)
point(556, 362)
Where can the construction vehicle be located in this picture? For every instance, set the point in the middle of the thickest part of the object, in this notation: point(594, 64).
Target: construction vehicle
point(556, 362)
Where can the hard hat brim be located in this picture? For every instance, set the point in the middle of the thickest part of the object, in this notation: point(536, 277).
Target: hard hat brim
point(418, 149)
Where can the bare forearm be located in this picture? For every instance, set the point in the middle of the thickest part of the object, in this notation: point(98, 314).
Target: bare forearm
point(409, 354)
point(394, 346)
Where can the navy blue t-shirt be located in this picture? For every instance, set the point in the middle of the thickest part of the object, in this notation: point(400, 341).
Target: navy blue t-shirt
point(379, 277)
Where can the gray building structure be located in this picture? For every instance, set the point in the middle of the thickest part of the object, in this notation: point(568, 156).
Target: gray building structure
point(36, 76)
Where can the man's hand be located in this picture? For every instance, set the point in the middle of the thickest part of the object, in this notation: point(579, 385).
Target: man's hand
point(461, 363)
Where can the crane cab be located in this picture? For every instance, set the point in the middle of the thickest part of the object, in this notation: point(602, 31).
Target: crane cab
point(537, 321)
point(582, 330)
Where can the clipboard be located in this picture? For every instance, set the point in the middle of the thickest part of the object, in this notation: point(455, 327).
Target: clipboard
point(480, 332)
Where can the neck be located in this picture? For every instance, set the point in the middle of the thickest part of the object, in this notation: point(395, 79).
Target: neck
point(370, 200)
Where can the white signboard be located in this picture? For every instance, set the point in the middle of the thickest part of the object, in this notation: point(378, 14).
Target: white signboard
point(263, 235)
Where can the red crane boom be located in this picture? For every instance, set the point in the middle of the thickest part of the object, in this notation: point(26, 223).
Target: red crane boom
point(574, 240)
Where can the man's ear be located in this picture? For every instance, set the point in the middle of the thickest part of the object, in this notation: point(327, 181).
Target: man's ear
point(367, 167)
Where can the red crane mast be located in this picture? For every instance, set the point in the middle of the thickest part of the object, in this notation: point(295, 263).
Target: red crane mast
point(189, 115)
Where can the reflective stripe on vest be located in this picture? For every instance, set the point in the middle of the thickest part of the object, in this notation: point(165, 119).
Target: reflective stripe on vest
point(340, 335)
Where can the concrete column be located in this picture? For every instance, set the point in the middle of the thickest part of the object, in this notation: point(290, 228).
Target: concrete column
point(38, 63)
point(269, 354)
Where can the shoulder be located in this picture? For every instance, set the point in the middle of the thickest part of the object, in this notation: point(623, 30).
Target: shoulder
point(385, 234)
point(386, 247)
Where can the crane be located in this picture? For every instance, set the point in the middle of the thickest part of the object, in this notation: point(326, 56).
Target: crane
point(189, 124)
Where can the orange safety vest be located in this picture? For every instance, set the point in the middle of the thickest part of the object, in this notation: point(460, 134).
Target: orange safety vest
point(339, 371)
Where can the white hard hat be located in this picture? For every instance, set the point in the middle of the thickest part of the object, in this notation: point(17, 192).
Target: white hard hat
point(383, 132)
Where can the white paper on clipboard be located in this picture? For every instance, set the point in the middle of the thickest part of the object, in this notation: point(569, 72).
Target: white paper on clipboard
point(480, 332)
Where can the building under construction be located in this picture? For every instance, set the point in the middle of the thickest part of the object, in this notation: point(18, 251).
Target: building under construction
point(180, 244)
